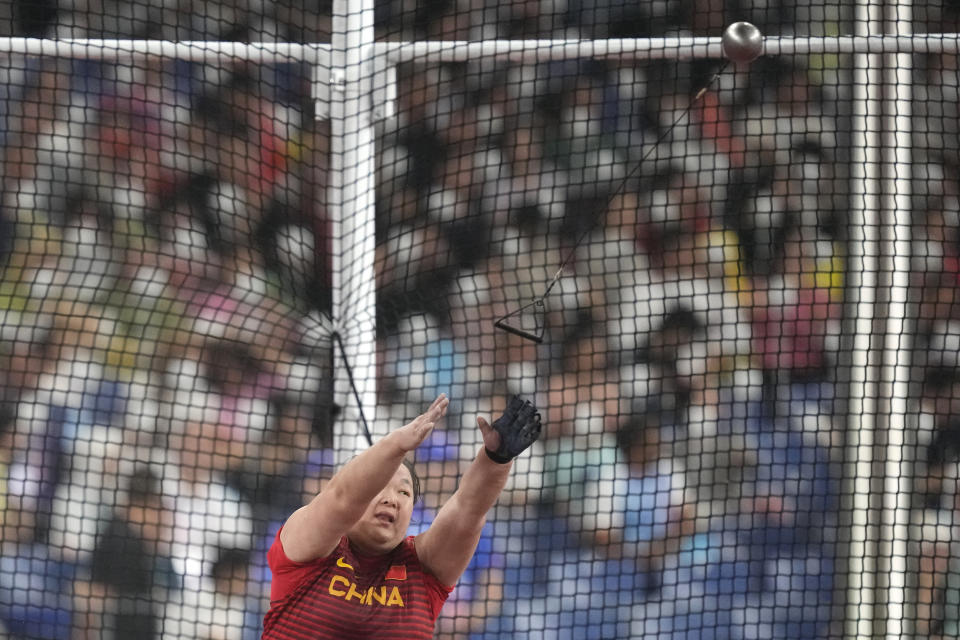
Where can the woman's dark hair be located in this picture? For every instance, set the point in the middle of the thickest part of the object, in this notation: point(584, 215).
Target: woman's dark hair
point(413, 478)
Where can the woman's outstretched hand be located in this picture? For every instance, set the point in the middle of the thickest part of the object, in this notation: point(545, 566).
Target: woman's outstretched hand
point(411, 435)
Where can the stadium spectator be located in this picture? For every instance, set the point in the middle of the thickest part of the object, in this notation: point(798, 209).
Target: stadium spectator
point(130, 575)
point(34, 582)
point(221, 609)
point(210, 514)
point(938, 496)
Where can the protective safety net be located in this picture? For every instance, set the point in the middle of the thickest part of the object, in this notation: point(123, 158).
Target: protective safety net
point(729, 288)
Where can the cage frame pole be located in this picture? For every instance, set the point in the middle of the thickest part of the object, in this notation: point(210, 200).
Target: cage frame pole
point(351, 201)
point(107, 49)
point(895, 375)
point(861, 300)
point(677, 48)
point(459, 51)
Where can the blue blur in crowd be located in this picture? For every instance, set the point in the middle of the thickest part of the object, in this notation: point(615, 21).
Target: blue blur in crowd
point(101, 407)
point(646, 508)
point(757, 575)
point(748, 575)
point(440, 366)
point(33, 593)
point(739, 585)
point(553, 583)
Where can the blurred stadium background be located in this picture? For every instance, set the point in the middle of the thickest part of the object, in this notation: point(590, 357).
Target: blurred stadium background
point(748, 369)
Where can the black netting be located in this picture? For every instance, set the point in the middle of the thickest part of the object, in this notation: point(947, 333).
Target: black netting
point(728, 286)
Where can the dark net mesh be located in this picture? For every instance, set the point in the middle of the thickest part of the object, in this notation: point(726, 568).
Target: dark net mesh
point(728, 287)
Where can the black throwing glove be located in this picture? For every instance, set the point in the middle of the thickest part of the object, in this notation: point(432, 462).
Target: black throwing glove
point(519, 427)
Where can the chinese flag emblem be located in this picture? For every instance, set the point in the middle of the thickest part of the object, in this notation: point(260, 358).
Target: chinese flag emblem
point(397, 572)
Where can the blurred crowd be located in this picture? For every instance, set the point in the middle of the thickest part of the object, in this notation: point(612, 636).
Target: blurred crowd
point(165, 318)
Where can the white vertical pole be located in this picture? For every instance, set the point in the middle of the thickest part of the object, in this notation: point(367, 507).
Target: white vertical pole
point(863, 273)
point(895, 375)
point(352, 205)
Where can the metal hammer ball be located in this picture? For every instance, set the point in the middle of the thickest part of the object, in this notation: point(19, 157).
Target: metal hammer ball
point(742, 42)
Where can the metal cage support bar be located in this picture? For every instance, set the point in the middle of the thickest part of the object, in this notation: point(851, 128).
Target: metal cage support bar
point(459, 51)
point(895, 373)
point(879, 252)
point(862, 287)
point(657, 48)
point(121, 49)
point(351, 199)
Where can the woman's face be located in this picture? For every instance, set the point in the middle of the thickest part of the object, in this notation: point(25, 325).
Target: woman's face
point(385, 522)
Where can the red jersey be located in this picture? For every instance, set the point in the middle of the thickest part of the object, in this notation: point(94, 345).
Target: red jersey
point(348, 595)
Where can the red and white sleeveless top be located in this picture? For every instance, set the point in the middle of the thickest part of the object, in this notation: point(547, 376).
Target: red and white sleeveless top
point(348, 595)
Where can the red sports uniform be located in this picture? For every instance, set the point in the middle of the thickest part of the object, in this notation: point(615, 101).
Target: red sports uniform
point(348, 595)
